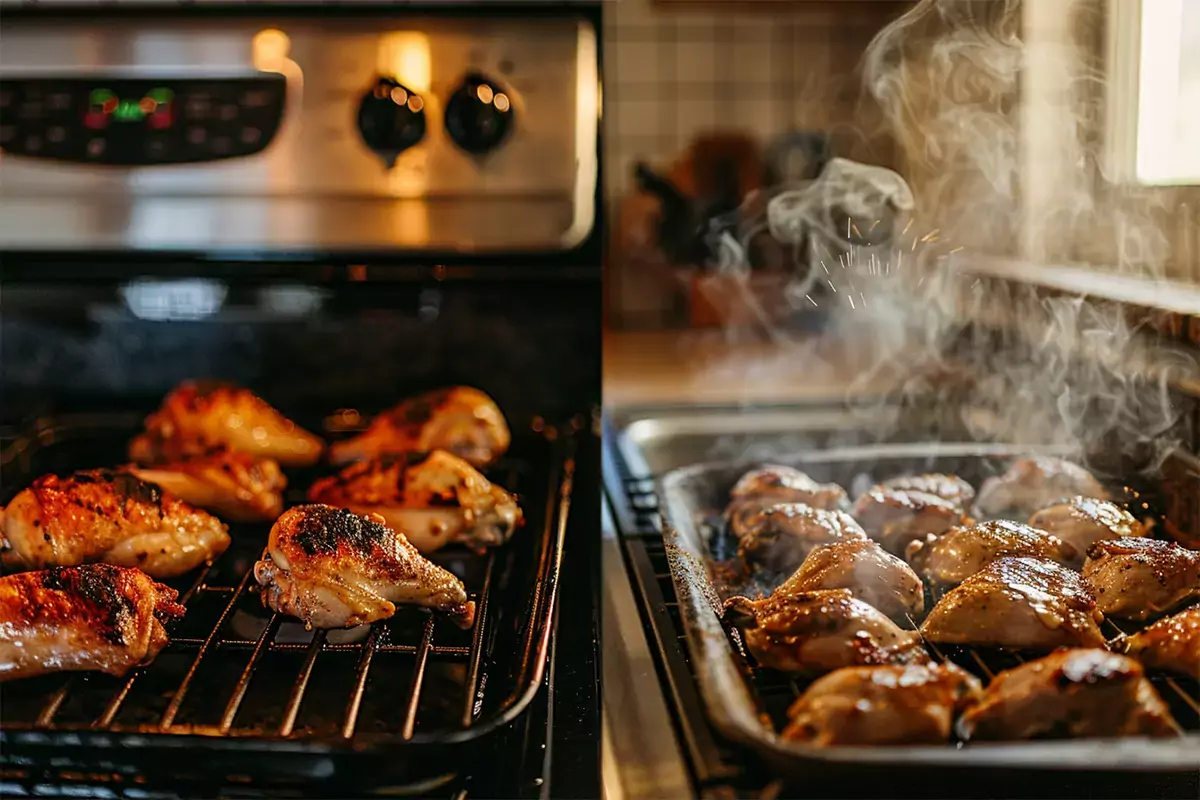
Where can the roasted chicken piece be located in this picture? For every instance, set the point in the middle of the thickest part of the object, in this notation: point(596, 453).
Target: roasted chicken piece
point(332, 568)
point(109, 516)
point(947, 560)
point(198, 416)
point(1018, 603)
point(460, 420)
point(818, 632)
point(888, 705)
point(238, 487)
point(1083, 521)
point(782, 536)
point(948, 487)
point(761, 488)
point(94, 617)
point(1140, 579)
point(434, 499)
point(1071, 694)
point(874, 576)
point(1033, 483)
point(1170, 645)
point(896, 517)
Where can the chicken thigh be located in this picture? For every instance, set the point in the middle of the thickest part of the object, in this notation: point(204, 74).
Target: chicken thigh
point(895, 517)
point(1033, 483)
point(948, 487)
point(875, 576)
point(1083, 521)
point(947, 560)
point(236, 486)
point(782, 536)
point(1140, 579)
point(761, 488)
point(1170, 645)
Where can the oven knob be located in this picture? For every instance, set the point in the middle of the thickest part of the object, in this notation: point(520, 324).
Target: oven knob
point(391, 119)
point(479, 115)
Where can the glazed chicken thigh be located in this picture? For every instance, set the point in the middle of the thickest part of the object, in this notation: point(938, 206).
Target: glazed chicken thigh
point(875, 576)
point(236, 486)
point(782, 536)
point(897, 517)
point(761, 488)
point(947, 560)
point(1170, 645)
point(948, 487)
point(1140, 579)
point(1082, 521)
point(1033, 483)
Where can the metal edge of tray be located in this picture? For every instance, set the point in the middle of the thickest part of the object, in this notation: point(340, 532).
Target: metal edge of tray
point(732, 709)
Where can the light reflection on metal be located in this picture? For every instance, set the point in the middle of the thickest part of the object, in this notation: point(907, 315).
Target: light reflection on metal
point(174, 300)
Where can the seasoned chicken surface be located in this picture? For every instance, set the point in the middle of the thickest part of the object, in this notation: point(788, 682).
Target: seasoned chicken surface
point(109, 516)
point(332, 568)
point(460, 420)
point(94, 617)
point(1083, 521)
point(1018, 603)
point(889, 705)
point(782, 536)
point(947, 560)
point(1071, 694)
point(238, 487)
point(1033, 483)
point(875, 576)
point(768, 485)
point(1140, 579)
point(897, 517)
point(1170, 645)
point(817, 632)
point(200, 415)
point(948, 487)
point(434, 499)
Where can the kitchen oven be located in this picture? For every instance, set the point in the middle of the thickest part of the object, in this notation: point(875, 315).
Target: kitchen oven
point(336, 208)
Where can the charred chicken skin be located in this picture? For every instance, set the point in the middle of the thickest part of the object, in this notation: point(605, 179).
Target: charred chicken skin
point(460, 420)
point(1033, 483)
point(946, 561)
point(434, 499)
point(897, 517)
point(948, 487)
point(332, 568)
point(782, 536)
point(236, 486)
point(1140, 579)
point(1018, 603)
point(198, 416)
point(761, 488)
point(1070, 694)
point(875, 576)
point(108, 516)
point(888, 705)
point(1170, 645)
point(1083, 521)
point(94, 617)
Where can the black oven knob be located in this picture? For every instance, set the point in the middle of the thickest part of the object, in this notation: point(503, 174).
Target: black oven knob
point(391, 119)
point(479, 115)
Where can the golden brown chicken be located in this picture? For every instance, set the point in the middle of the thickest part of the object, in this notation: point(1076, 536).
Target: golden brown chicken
point(94, 617)
point(875, 576)
point(332, 568)
point(109, 516)
point(948, 487)
point(889, 705)
point(1033, 483)
point(1018, 603)
point(818, 632)
point(1082, 521)
point(433, 499)
point(198, 416)
point(460, 420)
point(768, 485)
point(782, 536)
point(947, 560)
point(1140, 579)
point(238, 487)
point(1071, 694)
point(1170, 645)
point(897, 517)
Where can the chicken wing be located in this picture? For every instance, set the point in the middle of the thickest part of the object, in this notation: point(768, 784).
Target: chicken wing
point(888, 705)
point(198, 416)
point(895, 517)
point(761, 488)
point(234, 485)
point(434, 499)
point(1019, 603)
point(782, 536)
point(948, 487)
point(1139, 578)
point(109, 516)
point(1071, 694)
point(874, 576)
point(94, 617)
point(818, 632)
point(334, 569)
point(1083, 521)
point(1032, 483)
point(947, 560)
point(1170, 645)
point(460, 420)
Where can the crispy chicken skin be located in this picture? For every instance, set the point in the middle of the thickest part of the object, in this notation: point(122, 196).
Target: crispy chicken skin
point(947, 560)
point(109, 516)
point(1083, 521)
point(94, 617)
point(332, 568)
point(948, 487)
point(1033, 483)
point(770, 484)
point(236, 486)
point(782, 536)
point(818, 632)
point(1018, 603)
point(889, 705)
point(874, 575)
point(896, 517)
point(1140, 579)
point(434, 499)
point(460, 420)
point(1170, 645)
point(1070, 694)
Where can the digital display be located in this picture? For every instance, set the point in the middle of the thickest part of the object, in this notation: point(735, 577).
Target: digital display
point(106, 106)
